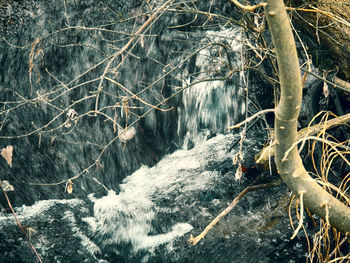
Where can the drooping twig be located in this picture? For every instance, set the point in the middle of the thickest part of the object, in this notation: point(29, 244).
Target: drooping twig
point(333, 145)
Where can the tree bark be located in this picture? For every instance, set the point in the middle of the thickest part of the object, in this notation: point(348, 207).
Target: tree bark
point(290, 167)
point(330, 25)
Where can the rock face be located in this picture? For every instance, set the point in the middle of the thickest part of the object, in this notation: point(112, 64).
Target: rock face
point(329, 25)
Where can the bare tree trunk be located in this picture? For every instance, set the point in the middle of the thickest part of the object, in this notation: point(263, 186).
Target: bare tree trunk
point(329, 23)
point(290, 167)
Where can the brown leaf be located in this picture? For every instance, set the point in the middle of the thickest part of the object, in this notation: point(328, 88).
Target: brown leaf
point(69, 187)
point(7, 154)
point(325, 86)
point(126, 134)
point(239, 173)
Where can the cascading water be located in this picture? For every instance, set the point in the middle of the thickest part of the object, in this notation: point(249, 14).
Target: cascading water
point(140, 201)
point(209, 107)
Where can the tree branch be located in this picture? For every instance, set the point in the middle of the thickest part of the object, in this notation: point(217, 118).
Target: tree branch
point(292, 169)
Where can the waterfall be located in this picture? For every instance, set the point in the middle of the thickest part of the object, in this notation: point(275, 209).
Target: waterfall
point(209, 107)
point(52, 64)
point(169, 98)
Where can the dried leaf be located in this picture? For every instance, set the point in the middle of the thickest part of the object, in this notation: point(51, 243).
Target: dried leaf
point(7, 154)
point(325, 86)
point(6, 186)
point(30, 232)
point(239, 173)
point(325, 90)
point(235, 159)
point(71, 116)
point(69, 187)
point(125, 108)
point(142, 42)
point(126, 134)
point(67, 124)
point(39, 141)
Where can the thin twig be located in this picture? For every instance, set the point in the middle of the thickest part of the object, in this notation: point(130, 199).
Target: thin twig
point(248, 8)
point(20, 225)
point(135, 96)
point(250, 118)
point(333, 145)
point(194, 240)
point(301, 217)
point(126, 46)
point(263, 156)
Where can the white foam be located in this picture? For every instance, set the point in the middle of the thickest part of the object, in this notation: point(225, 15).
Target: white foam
point(127, 217)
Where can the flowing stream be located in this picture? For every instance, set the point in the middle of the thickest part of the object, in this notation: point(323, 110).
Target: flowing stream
point(156, 209)
point(144, 196)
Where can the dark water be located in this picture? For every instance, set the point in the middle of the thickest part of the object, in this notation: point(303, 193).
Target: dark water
point(45, 94)
point(141, 200)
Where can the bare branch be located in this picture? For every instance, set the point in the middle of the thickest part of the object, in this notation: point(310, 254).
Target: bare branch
point(251, 118)
point(247, 7)
point(194, 240)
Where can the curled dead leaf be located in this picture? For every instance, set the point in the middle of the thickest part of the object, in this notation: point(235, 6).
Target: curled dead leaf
point(6, 186)
point(239, 173)
point(71, 116)
point(69, 187)
point(325, 86)
point(126, 134)
point(7, 154)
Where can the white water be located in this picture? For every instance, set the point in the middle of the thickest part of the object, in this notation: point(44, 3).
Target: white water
point(212, 105)
point(178, 177)
point(152, 215)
